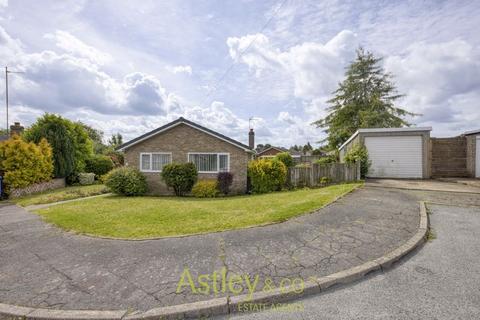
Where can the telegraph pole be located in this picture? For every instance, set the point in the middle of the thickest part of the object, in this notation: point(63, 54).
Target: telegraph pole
point(6, 94)
point(6, 91)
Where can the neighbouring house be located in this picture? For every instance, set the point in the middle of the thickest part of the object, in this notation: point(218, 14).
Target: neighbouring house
point(271, 152)
point(394, 152)
point(183, 141)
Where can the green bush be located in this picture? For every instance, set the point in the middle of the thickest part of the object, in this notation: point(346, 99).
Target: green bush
point(267, 175)
point(98, 164)
point(180, 176)
point(286, 158)
point(325, 181)
point(326, 160)
point(207, 188)
point(86, 179)
point(25, 163)
point(358, 153)
point(224, 181)
point(126, 181)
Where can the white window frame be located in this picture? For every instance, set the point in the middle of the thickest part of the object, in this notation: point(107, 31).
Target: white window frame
point(151, 160)
point(218, 160)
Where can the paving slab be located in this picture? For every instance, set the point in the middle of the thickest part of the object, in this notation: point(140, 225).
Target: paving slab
point(42, 266)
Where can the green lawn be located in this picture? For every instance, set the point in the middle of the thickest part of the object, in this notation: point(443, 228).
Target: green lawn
point(62, 194)
point(148, 217)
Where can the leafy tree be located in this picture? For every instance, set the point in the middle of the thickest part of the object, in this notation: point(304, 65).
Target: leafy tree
point(306, 148)
point(261, 147)
point(286, 158)
point(365, 99)
point(96, 136)
point(116, 140)
point(69, 141)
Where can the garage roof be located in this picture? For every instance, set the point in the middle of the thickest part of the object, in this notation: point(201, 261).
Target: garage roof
point(369, 130)
point(472, 132)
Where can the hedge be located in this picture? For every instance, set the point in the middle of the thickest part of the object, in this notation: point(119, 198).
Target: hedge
point(25, 163)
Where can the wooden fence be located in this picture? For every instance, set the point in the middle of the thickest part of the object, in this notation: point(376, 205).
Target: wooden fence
point(311, 176)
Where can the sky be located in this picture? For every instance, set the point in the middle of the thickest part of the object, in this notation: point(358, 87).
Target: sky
point(132, 66)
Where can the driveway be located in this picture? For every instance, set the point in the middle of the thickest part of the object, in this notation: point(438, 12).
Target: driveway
point(445, 185)
point(42, 266)
point(439, 281)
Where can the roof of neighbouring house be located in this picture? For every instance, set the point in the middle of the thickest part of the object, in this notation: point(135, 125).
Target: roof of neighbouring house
point(281, 149)
point(192, 124)
point(369, 130)
point(472, 132)
point(4, 137)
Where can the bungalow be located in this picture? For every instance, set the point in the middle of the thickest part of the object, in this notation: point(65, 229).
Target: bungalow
point(271, 152)
point(183, 141)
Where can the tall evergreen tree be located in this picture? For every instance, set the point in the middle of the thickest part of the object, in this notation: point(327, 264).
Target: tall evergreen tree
point(365, 99)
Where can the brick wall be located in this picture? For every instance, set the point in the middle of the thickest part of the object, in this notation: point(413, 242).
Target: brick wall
point(471, 154)
point(181, 140)
point(38, 187)
point(449, 157)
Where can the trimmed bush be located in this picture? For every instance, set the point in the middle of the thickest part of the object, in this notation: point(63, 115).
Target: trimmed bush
point(358, 153)
point(326, 160)
point(86, 179)
point(267, 175)
point(205, 189)
point(180, 176)
point(25, 163)
point(286, 158)
point(126, 181)
point(99, 165)
point(224, 182)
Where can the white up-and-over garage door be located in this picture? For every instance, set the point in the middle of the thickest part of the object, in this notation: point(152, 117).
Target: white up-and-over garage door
point(395, 156)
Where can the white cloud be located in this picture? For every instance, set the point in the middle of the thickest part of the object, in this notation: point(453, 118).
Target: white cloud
point(76, 47)
point(441, 81)
point(315, 68)
point(180, 69)
point(3, 3)
point(75, 85)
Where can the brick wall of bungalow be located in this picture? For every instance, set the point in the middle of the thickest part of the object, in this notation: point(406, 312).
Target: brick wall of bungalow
point(181, 140)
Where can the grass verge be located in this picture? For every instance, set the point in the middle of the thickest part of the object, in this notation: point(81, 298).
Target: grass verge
point(67, 193)
point(150, 217)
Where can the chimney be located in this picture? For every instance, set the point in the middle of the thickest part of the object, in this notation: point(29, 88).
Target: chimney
point(251, 139)
point(16, 129)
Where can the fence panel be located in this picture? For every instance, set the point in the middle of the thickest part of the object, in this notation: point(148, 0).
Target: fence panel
point(311, 176)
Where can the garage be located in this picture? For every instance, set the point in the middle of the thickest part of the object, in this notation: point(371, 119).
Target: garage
point(395, 156)
point(393, 152)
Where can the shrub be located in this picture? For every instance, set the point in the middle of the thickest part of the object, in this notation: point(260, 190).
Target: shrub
point(286, 158)
point(358, 153)
point(98, 164)
point(69, 141)
point(205, 189)
point(224, 181)
point(324, 181)
point(180, 176)
point(86, 179)
point(117, 157)
point(126, 181)
point(25, 163)
point(326, 160)
point(267, 175)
